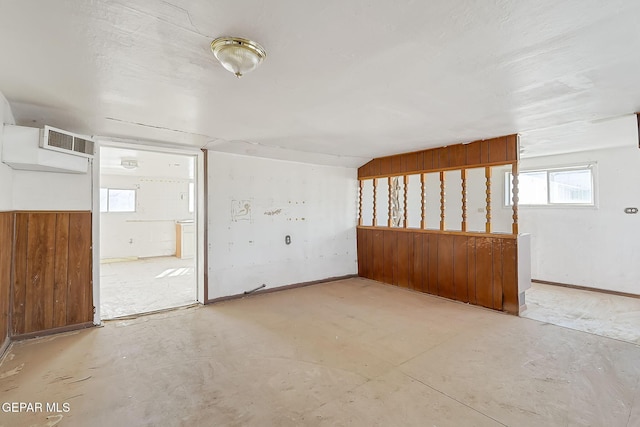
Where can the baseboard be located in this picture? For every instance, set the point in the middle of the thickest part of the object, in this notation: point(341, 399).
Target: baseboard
point(122, 259)
point(52, 331)
point(281, 288)
point(4, 347)
point(150, 313)
point(586, 288)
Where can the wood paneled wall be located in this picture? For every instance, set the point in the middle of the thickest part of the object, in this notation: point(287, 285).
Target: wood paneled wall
point(496, 151)
point(52, 271)
point(6, 243)
point(475, 268)
point(479, 270)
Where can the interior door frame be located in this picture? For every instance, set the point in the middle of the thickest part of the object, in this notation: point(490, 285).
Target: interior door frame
point(199, 181)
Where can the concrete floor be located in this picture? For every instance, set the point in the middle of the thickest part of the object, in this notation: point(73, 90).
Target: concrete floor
point(612, 316)
point(351, 352)
point(145, 285)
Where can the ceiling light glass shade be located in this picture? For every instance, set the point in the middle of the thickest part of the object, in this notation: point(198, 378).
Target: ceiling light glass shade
point(129, 163)
point(238, 55)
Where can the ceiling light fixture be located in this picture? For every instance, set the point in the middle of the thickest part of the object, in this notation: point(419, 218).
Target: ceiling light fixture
point(238, 55)
point(129, 163)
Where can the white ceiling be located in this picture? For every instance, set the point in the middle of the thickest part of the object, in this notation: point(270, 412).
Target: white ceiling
point(149, 163)
point(343, 81)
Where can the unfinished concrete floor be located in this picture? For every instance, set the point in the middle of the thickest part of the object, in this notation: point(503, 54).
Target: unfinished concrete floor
point(351, 352)
point(145, 285)
point(612, 316)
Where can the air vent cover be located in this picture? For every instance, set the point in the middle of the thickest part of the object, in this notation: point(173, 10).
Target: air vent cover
point(67, 142)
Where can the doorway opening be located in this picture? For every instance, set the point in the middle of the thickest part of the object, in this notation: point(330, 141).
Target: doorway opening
point(598, 312)
point(148, 225)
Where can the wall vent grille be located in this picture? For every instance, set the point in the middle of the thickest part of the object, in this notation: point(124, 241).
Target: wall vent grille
point(67, 142)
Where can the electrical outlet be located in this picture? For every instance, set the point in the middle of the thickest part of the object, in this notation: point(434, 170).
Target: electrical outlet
point(287, 240)
point(631, 210)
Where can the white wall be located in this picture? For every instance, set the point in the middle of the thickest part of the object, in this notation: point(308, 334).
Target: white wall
point(37, 190)
point(31, 190)
point(6, 173)
point(315, 205)
point(594, 247)
point(151, 230)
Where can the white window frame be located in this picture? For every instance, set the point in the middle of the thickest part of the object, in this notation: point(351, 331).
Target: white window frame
point(135, 200)
point(508, 196)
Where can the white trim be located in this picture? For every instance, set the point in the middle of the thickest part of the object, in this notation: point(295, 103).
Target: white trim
point(200, 219)
point(201, 251)
point(158, 147)
point(95, 231)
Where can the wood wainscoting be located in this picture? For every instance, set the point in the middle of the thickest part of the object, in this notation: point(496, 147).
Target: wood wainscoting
point(475, 268)
point(6, 241)
point(52, 271)
point(472, 267)
point(497, 151)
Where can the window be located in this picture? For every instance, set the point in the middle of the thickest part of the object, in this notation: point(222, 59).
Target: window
point(117, 200)
point(561, 186)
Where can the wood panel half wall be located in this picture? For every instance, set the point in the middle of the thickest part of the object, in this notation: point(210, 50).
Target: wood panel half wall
point(6, 239)
point(479, 270)
point(472, 267)
point(51, 283)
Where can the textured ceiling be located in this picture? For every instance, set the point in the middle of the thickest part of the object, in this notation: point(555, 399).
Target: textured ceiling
point(149, 163)
point(343, 81)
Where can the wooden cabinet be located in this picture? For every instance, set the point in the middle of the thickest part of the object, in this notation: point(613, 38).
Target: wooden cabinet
point(185, 240)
